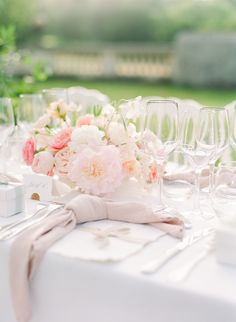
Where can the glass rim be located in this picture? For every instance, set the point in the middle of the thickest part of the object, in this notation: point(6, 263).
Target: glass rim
point(165, 101)
point(31, 95)
point(213, 108)
point(54, 89)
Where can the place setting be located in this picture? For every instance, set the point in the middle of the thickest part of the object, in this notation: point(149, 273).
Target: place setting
point(103, 183)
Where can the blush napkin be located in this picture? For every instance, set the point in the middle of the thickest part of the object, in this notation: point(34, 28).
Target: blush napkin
point(27, 249)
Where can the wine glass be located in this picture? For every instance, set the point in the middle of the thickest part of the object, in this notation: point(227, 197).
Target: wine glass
point(216, 119)
point(160, 135)
point(55, 94)
point(6, 126)
point(224, 192)
point(178, 173)
point(31, 107)
point(6, 119)
point(231, 111)
point(197, 137)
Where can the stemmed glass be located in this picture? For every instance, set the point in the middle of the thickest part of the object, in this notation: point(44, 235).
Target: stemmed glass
point(160, 135)
point(220, 128)
point(224, 193)
point(6, 119)
point(55, 94)
point(197, 139)
point(231, 111)
point(31, 107)
point(6, 124)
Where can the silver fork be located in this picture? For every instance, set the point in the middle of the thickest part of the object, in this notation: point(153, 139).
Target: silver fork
point(10, 233)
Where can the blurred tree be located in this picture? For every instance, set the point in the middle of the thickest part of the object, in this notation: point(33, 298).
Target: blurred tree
point(67, 21)
point(9, 56)
point(19, 13)
point(7, 50)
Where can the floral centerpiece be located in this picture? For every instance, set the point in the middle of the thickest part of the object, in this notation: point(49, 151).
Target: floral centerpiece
point(96, 152)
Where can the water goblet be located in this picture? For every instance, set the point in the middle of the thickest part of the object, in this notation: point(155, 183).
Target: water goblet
point(197, 141)
point(31, 107)
point(6, 127)
point(6, 119)
point(55, 94)
point(160, 135)
point(224, 192)
point(215, 119)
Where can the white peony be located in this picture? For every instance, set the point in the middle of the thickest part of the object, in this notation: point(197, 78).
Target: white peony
point(86, 135)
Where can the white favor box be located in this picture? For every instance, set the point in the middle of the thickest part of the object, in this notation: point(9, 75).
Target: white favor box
point(11, 199)
point(226, 244)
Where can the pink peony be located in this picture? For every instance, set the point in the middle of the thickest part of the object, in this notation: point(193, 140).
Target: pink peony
point(61, 139)
point(62, 159)
point(97, 171)
point(28, 151)
point(43, 163)
point(85, 120)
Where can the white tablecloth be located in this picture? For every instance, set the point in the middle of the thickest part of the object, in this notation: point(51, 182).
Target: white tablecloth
point(73, 290)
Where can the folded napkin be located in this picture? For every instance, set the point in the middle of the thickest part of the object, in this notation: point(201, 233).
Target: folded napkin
point(28, 249)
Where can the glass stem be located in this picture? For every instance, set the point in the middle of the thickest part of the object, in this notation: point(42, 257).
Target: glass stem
point(211, 177)
point(196, 204)
point(160, 182)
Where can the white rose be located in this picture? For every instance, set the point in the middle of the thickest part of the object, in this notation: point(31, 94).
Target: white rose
point(86, 134)
point(117, 133)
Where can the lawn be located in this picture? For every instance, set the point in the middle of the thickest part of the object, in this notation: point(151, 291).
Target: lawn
point(118, 89)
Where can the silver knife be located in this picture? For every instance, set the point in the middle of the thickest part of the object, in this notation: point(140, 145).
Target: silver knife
point(154, 265)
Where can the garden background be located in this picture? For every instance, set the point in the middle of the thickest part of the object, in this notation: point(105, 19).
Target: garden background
point(124, 48)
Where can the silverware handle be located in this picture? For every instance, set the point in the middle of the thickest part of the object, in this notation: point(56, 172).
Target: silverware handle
point(156, 264)
point(6, 228)
point(16, 230)
point(182, 273)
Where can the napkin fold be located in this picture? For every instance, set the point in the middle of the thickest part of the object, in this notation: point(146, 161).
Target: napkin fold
point(27, 249)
